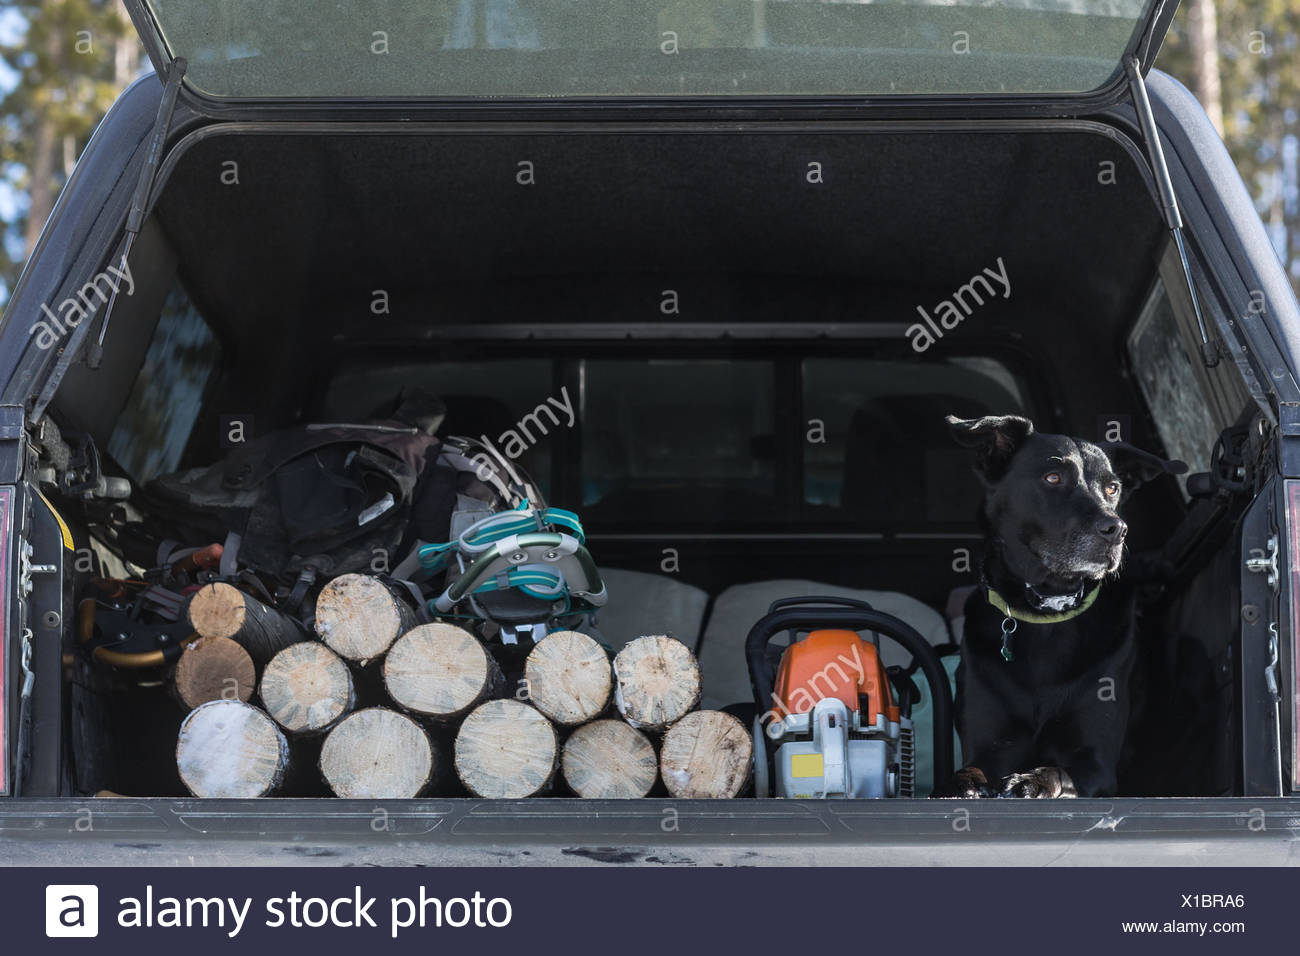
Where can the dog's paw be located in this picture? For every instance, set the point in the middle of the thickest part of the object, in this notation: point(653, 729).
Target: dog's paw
point(969, 783)
point(1042, 782)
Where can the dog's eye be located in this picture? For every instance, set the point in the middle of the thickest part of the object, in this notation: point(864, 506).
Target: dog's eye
point(1052, 477)
point(1112, 488)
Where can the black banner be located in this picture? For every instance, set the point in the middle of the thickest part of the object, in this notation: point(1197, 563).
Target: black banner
point(665, 911)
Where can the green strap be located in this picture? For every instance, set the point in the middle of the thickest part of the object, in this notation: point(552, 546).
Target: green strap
point(481, 536)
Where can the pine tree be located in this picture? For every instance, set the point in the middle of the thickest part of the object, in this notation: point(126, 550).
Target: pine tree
point(1258, 43)
point(73, 60)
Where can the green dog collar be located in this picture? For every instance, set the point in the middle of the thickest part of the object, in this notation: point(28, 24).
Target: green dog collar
point(1010, 617)
point(1031, 617)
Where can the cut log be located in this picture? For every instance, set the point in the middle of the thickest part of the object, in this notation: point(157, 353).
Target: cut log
point(569, 678)
point(706, 754)
point(440, 671)
point(307, 688)
point(213, 668)
point(359, 616)
point(506, 748)
point(609, 759)
point(377, 754)
point(227, 748)
point(656, 682)
point(221, 610)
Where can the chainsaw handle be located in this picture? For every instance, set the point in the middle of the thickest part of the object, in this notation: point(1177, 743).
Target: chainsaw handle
point(781, 603)
point(762, 677)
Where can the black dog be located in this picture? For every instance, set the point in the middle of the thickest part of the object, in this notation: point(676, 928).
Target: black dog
point(1049, 646)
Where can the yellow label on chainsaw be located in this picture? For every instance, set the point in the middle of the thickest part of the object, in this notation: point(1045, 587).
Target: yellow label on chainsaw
point(806, 765)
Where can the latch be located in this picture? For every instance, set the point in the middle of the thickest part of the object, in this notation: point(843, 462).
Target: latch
point(1270, 671)
point(1266, 563)
point(26, 568)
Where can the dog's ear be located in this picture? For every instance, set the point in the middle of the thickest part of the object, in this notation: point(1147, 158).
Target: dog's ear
point(1136, 467)
point(995, 439)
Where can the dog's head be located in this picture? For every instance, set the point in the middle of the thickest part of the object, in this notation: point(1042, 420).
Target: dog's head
point(1051, 501)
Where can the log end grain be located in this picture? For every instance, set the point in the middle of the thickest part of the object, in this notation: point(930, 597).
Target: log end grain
point(505, 748)
point(358, 617)
point(377, 754)
point(707, 754)
point(307, 687)
point(656, 681)
point(217, 610)
point(438, 670)
point(569, 677)
point(213, 668)
point(609, 759)
point(227, 748)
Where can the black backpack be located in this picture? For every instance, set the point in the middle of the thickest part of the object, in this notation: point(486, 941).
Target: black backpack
point(315, 501)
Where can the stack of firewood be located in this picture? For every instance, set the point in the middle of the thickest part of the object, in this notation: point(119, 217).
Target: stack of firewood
point(388, 707)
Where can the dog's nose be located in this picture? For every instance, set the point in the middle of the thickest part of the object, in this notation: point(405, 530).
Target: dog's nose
point(1111, 527)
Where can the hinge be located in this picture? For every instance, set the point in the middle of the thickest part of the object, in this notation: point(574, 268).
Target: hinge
point(1168, 201)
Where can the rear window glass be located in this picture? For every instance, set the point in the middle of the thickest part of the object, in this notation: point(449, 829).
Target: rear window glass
point(672, 48)
point(706, 443)
point(155, 424)
point(491, 399)
point(1169, 382)
point(690, 439)
point(876, 445)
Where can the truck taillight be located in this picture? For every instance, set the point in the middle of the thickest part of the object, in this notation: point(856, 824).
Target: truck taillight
point(1293, 575)
point(7, 649)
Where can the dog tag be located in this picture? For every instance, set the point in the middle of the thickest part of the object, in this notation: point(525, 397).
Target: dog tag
point(1008, 628)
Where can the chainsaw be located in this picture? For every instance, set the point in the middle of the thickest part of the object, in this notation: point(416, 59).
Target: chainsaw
point(828, 722)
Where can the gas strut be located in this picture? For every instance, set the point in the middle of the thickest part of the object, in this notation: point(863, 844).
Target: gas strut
point(134, 222)
point(1168, 201)
point(140, 201)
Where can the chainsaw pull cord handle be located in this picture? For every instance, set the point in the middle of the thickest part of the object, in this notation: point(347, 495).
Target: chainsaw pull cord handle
point(762, 677)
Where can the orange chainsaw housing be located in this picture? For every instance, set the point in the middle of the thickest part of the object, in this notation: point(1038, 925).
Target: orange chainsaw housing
point(837, 664)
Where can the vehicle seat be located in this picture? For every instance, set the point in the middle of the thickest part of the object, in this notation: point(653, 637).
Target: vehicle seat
point(722, 650)
point(956, 611)
point(641, 603)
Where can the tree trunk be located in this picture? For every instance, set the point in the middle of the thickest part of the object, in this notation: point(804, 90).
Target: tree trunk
point(359, 616)
point(656, 682)
point(307, 688)
point(706, 754)
point(569, 678)
point(227, 748)
point(40, 171)
point(608, 759)
point(506, 748)
point(1203, 33)
point(213, 668)
point(377, 754)
point(440, 671)
point(220, 610)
